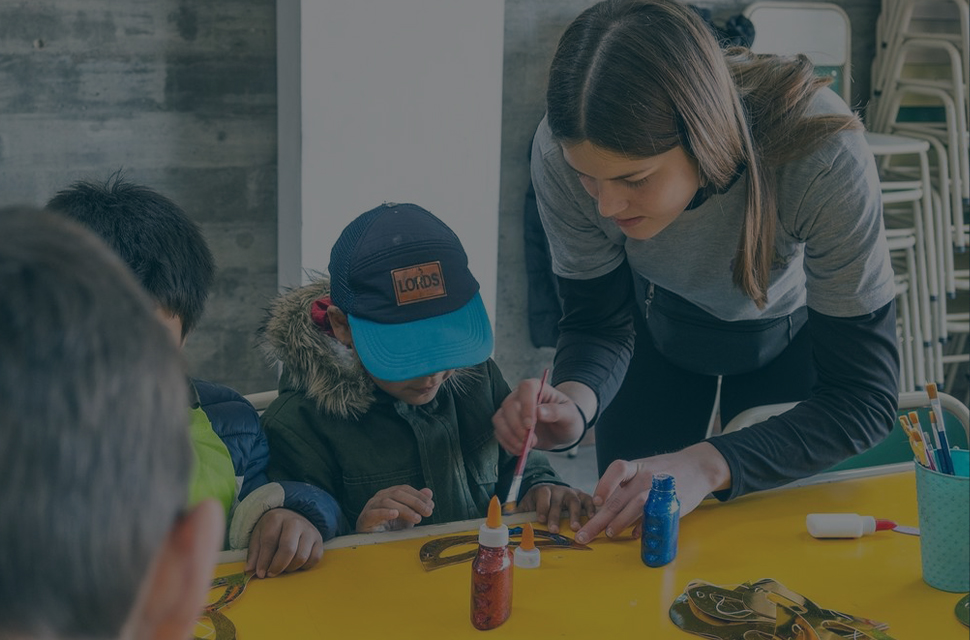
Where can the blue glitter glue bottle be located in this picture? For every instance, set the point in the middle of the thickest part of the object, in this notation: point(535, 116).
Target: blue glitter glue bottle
point(661, 523)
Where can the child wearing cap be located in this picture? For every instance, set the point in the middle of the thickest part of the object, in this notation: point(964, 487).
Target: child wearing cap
point(387, 389)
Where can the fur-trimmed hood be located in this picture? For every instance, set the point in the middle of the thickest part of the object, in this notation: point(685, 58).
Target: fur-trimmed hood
point(314, 363)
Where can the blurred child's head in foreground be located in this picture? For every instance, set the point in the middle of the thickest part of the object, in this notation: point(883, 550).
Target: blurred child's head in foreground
point(94, 447)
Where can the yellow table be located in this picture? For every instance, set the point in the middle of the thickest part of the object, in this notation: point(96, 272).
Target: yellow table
point(382, 591)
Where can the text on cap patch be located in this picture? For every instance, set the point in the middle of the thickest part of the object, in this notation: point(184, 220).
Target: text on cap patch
point(417, 283)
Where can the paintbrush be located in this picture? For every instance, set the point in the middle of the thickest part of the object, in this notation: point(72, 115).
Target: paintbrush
point(510, 502)
point(938, 428)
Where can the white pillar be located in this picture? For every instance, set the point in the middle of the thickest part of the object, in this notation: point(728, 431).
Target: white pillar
point(399, 101)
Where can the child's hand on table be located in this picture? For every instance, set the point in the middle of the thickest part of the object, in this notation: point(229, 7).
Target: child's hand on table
point(549, 501)
point(394, 508)
point(283, 541)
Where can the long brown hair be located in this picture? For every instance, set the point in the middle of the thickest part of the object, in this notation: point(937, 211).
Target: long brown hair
point(640, 77)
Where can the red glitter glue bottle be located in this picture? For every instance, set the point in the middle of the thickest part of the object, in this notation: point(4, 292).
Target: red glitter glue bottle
point(492, 572)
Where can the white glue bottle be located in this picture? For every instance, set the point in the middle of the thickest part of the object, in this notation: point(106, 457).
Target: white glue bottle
point(844, 525)
point(526, 555)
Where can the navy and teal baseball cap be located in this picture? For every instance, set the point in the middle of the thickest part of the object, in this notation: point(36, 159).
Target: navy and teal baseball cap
point(401, 276)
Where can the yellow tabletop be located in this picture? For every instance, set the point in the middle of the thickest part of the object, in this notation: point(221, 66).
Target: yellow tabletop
point(382, 591)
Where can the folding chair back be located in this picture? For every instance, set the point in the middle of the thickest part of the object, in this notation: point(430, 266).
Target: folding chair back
point(820, 30)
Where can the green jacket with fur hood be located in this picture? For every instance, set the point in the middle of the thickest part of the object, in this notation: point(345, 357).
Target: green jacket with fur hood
point(333, 427)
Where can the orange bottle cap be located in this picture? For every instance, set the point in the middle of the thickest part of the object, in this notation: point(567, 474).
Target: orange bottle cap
point(528, 537)
point(494, 518)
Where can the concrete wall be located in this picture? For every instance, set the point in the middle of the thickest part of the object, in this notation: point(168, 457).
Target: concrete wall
point(183, 96)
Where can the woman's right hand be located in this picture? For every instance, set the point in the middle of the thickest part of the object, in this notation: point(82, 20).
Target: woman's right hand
point(557, 419)
point(394, 508)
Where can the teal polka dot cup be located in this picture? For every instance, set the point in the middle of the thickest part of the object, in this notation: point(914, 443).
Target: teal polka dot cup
point(944, 523)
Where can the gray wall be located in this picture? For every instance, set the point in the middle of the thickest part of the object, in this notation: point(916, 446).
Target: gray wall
point(183, 96)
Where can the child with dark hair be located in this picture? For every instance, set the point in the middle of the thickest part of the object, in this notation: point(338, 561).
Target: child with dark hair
point(283, 524)
point(388, 389)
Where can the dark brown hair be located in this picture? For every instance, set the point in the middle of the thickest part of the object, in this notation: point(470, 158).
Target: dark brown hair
point(157, 239)
point(641, 77)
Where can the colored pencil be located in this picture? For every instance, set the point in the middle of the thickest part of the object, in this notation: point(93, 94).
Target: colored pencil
point(916, 442)
point(927, 443)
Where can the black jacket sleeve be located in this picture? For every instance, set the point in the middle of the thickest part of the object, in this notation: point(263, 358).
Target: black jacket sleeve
point(852, 407)
point(596, 333)
point(544, 308)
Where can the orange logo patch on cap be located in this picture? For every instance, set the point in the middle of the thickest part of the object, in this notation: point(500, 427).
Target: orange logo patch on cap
point(417, 283)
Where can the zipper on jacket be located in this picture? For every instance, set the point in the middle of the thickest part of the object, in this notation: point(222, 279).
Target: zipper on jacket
point(647, 301)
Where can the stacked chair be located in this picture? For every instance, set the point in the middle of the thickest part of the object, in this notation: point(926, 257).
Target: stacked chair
point(920, 80)
point(921, 164)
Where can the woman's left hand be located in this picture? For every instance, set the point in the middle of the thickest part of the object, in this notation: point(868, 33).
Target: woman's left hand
point(621, 492)
point(549, 501)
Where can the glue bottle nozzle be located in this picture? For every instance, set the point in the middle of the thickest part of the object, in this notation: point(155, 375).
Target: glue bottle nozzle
point(494, 519)
point(528, 537)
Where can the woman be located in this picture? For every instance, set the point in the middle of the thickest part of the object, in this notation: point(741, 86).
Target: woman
point(710, 214)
